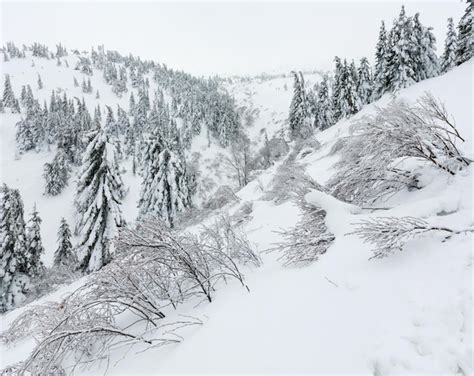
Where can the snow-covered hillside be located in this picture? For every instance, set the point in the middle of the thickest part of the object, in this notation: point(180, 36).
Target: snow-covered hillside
point(410, 313)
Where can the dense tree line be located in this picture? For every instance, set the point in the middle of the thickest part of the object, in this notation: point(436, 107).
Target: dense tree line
point(405, 54)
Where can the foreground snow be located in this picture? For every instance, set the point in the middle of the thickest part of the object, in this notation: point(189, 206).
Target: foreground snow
point(410, 313)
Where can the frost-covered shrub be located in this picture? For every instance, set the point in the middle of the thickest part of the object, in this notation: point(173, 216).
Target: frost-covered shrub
point(303, 244)
point(154, 268)
point(390, 234)
point(370, 157)
point(223, 196)
point(290, 181)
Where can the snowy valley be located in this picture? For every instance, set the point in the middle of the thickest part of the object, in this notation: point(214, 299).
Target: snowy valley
point(253, 224)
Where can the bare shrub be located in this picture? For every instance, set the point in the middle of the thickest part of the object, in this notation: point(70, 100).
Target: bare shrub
point(223, 196)
point(368, 167)
point(154, 268)
point(290, 182)
point(303, 244)
point(224, 235)
point(390, 234)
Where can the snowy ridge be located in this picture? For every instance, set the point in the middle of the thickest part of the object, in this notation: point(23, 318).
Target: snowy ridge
point(410, 313)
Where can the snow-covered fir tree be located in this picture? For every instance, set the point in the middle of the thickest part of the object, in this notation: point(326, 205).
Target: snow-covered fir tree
point(40, 82)
point(100, 192)
point(365, 83)
point(380, 71)
point(64, 255)
point(298, 109)
point(465, 41)
point(324, 117)
point(347, 103)
point(401, 66)
point(13, 281)
point(56, 173)
point(425, 57)
point(34, 248)
point(8, 95)
point(448, 59)
point(165, 188)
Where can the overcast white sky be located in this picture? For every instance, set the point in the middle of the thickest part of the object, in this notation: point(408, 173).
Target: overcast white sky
point(220, 37)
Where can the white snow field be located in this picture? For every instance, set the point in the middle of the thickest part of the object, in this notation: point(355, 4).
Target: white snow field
point(410, 313)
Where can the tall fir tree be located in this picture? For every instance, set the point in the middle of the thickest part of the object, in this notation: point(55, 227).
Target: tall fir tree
point(165, 190)
point(381, 56)
point(100, 192)
point(40, 82)
point(324, 116)
point(64, 256)
point(34, 249)
point(8, 95)
point(365, 84)
point(401, 65)
point(448, 59)
point(13, 282)
point(298, 110)
point(425, 57)
point(465, 42)
point(56, 173)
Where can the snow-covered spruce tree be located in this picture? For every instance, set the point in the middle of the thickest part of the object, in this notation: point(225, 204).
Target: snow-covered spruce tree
point(165, 188)
point(76, 84)
point(448, 59)
point(425, 57)
point(381, 54)
point(298, 110)
point(336, 89)
point(465, 41)
point(365, 83)
point(2, 107)
point(13, 282)
point(56, 173)
point(64, 255)
point(401, 65)
point(99, 195)
point(123, 123)
point(34, 247)
point(8, 95)
point(348, 101)
point(324, 117)
point(40, 83)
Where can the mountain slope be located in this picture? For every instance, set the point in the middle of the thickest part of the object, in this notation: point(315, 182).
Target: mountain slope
point(409, 313)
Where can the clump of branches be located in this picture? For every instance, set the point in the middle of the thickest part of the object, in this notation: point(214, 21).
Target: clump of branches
point(370, 156)
point(154, 268)
point(303, 244)
point(187, 265)
point(390, 234)
point(225, 236)
point(290, 182)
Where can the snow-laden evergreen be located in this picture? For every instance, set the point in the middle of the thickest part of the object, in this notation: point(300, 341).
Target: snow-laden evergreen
point(56, 173)
point(324, 117)
point(64, 255)
point(298, 108)
point(8, 95)
point(34, 247)
point(99, 195)
point(381, 54)
point(401, 67)
point(13, 241)
point(165, 190)
point(365, 83)
point(448, 59)
point(465, 41)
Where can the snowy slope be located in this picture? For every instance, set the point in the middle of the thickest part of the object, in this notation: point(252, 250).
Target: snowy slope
point(410, 313)
point(24, 172)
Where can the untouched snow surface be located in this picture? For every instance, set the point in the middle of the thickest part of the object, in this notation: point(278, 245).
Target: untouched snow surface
point(410, 313)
